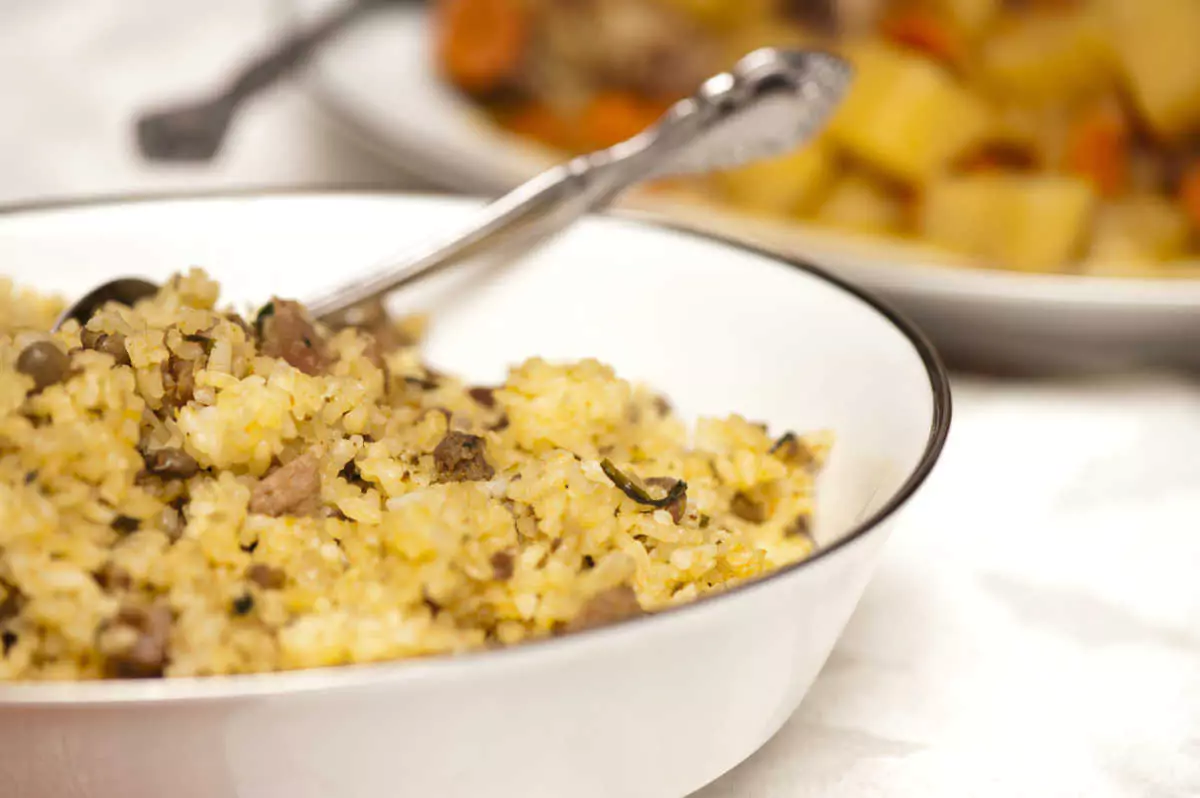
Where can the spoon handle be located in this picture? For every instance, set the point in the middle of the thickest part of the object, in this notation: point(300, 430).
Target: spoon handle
point(194, 130)
point(771, 101)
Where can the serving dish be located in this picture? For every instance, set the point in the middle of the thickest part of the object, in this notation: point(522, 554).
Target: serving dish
point(374, 77)
point(657, 706)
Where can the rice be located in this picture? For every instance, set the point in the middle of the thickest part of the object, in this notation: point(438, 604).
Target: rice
point(196, 495)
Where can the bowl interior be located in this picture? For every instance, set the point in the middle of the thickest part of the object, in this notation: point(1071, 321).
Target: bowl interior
point(716, 327)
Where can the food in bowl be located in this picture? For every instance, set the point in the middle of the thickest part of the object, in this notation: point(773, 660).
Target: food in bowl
point(184, 492)
point(1036, 136)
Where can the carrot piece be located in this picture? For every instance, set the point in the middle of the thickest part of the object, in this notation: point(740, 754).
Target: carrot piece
point(614, 116)
point(1098, 149)
point(480, 42)
point(536, 121)
point(610, 117)
point(1189, 192)
point(922, 31)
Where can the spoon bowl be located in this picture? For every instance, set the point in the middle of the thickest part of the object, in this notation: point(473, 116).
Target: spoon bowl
point(122, 291)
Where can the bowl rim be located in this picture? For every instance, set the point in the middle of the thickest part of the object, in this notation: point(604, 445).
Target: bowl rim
point(273, 684)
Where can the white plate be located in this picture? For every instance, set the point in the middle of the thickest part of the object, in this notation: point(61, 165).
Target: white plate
point(379, 80)
point(654, 707)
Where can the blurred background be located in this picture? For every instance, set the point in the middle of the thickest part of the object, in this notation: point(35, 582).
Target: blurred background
point(1031, 135)
point(75, 73)
point(1022, 177)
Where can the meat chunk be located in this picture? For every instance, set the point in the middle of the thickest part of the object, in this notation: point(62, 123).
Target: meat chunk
point(483, 396)
point(373, 317)
point(179, 381)
point(126, 525)
point(379, 333)
point(44, 363)
point(460, 458)
point(266, 576)
point(383, 334)
point(110, 344)
point(289, 489)
point(503, 565)
point(606, 607)
point(287, 333)
point(170, 463)
point(146, 656)
point(748, 508)
point(649, 48)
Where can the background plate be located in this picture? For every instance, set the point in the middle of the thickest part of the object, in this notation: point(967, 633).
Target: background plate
point(380, 82)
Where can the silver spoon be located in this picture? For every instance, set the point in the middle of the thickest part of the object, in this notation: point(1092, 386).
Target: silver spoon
point(194, 129)
point(771, 101)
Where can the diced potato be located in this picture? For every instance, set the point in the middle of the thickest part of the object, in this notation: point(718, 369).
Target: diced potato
point(1138, 229)
point(1156, 41)
point(959, 213)
point(1024, 222)
point(1049, 57)
point(905, 115)
point(727, 13)
point(1044, 221)
point(971, 16)
point(860, 204)
point(790, 184)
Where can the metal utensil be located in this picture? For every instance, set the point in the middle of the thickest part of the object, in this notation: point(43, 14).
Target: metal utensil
point(194, 130)
point(768, 103)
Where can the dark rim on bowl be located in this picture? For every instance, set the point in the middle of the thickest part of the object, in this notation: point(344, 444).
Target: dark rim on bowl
point(346, 676)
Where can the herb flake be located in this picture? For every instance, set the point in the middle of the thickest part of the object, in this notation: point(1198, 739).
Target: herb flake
point(637, 493)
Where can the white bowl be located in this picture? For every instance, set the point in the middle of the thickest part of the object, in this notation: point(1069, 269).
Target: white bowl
point(654, 707)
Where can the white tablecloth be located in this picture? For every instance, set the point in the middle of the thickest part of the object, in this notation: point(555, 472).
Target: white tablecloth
point(1034, 629)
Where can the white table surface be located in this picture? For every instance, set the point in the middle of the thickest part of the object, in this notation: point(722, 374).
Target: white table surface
point(1034, 629)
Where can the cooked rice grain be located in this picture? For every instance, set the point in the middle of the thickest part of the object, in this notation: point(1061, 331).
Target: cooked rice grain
point(380, 552)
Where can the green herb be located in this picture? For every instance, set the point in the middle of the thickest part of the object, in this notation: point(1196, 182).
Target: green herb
point(637, 492)
point(205, 341)
point(243, 604)
point(788, 440)
point(421, 382)
point(799, 528)
point(791, 450)
point(267, 311)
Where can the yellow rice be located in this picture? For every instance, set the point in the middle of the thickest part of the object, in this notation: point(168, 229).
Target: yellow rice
point(389, 562)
